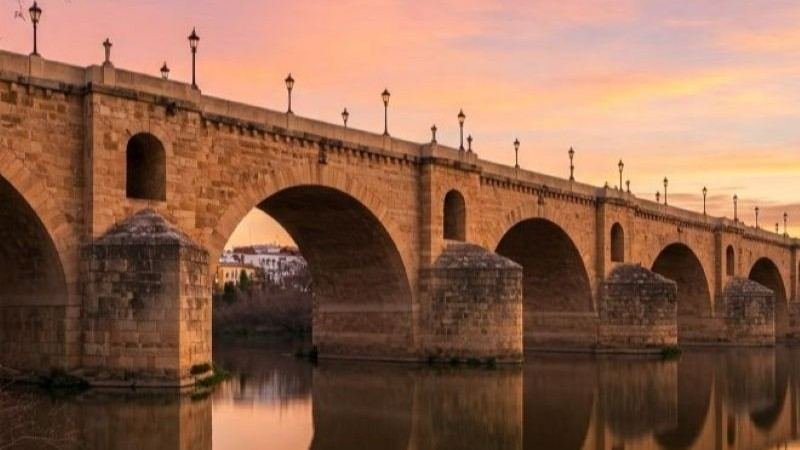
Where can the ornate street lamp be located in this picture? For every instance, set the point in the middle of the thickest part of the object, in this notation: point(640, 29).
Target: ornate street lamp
point(433, 133)
point(289, 85)
point(735, 208)
point(785, 224)
point(36, 14)
point(345, 116)
point(516, 153)
point(705, 193)
point(461, 119)
point(666, 182)
point(107, 46)
point(469, 143)
point(756, 209)
point(194, 40)
point(621, 166)
point(385, 96)
point(658, 197)
point(571, 154)
point(165, 71)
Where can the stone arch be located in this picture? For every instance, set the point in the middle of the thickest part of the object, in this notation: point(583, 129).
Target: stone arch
point(455, 216)
point(556, 290)
point(34, 286)
point(145, 168)
point(679, 263)
point(362, 290)
point(617, 243)
point(730, 261)
point(766, 273)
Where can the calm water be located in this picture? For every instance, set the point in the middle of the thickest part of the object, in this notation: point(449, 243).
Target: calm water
point(721, 399)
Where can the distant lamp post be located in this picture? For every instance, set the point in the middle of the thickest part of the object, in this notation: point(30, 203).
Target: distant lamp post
point(469, 143)
point(658, 197)
point(516, 153)
point(107, 46)
point(777, 229)
point(433, 133)
point(735, 208)
point(756, 209)
point(165, 71)
point(461, 119)
point(36, 14)
point(666, 182)
point(621, 167)
point(345, 116)
point(628, 186)
point(785, 224)
point(571, 154)
point(194, 40)
point(385, 96)
point(705, 193)
point(289, 85)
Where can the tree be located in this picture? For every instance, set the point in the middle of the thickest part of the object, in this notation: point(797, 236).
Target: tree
point(244, 281)
point(229, 293)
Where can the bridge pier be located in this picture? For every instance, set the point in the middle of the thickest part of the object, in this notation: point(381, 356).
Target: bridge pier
point(147, 309)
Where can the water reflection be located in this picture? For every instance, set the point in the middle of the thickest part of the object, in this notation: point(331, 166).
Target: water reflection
point(708, 399)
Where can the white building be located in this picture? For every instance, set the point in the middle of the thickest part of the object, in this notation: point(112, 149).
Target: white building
point(278, 262)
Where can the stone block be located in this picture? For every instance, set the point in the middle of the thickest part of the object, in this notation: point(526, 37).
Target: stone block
point(749, 312)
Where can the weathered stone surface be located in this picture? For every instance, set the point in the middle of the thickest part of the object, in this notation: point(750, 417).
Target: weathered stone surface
point(638, 310)
point(147, 308)
point(749, 311)
point(475, 307)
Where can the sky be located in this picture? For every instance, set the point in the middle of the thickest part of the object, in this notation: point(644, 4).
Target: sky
point(706, 93)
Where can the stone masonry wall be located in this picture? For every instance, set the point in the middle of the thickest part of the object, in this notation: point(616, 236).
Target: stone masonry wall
point(749, 311)
point(638, 310)
point(475, 306)
point(147, 307)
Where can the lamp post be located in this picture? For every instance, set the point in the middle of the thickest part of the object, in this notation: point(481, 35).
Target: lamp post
point(35, 13)
point(571, 154)
point(469, 143)
point(777, 229)
point(194, 40)
point(433, 133)
point(345, 116)
point(658, 197)
point(785, 224)
point(735, 208)
point(516, 153)
point(107, 46)
point(628, 186)
point(705, 193)
point(621, 166)
point(385, 96)
point(289, 85)
point(461, 119)
point(756, 209)
point(666, 182)
point(165, 71)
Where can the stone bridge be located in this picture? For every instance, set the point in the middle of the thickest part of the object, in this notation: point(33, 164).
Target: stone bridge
point(119, 190)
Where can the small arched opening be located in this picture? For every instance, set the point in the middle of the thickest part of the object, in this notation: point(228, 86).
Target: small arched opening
point(455, 216)
point(730, 261)
point(146, 168)
point(617, 243)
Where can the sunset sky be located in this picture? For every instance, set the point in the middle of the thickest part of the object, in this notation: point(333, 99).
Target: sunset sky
point(704, 92)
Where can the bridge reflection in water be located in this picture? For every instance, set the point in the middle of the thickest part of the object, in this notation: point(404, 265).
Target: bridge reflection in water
point(708, 399)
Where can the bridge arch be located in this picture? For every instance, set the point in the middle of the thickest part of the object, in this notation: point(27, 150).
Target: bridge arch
point(354, 252)
point(455, 216)
point(766, 273)
point(679, 263)
point(557, 294)
point(34, 284)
